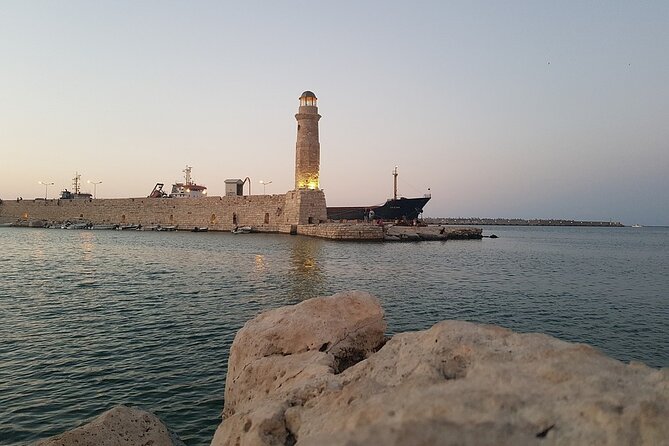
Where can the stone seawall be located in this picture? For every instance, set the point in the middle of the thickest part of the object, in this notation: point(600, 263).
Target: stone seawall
point(373, 232)
point(296, 212)
point(343, 231)
point(266, 213)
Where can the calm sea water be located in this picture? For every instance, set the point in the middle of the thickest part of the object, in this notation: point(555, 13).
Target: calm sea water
point(91, 319)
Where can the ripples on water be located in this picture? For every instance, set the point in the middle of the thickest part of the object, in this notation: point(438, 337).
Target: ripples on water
point(91, 319)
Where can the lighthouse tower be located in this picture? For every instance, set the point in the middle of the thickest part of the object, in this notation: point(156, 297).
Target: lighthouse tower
point(307, 148)
point(306, 204)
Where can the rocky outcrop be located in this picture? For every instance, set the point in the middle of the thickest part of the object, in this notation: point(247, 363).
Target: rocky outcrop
point(287, 356)
point(119, 426)
point(322, 373)
point(420, 233)
point(319, 373)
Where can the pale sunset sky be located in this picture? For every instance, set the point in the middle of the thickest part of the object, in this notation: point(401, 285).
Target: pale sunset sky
point(530, 109)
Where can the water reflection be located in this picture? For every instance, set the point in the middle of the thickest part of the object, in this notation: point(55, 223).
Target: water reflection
point(86, 272)
point(306, 277)
point(87, 245)
point(261, 268)
point(260, 264)
point(39, 240)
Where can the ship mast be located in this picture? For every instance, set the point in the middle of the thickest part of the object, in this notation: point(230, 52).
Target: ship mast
point(187, 172)
point(75, 182)
point(395, 183)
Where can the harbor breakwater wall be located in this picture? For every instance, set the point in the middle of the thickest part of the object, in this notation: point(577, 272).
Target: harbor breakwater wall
point(343, 231)
point(265, 213)
point(300, 212)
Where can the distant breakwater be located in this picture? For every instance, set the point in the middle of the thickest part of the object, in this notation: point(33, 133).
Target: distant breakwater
point(520, 222)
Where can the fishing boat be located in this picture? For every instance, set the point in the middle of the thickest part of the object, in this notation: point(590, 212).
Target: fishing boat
point(396, 208)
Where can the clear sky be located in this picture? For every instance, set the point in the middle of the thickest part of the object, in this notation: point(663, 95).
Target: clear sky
point(531, 109)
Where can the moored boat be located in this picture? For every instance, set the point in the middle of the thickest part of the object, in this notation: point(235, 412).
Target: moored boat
point(396, 208)
point(77, 225)
point(129, 227)
point(76, 194)
point(103, 227)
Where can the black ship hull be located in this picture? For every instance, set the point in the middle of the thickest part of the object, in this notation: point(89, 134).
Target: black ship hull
point(399, 209)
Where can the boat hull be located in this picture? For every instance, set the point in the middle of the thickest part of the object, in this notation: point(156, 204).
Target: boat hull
point(399, 209)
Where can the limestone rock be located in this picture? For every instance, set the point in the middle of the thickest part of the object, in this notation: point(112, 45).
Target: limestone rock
point(456, 383)
point(418, 233)
point(119, 426)
point(293, 353)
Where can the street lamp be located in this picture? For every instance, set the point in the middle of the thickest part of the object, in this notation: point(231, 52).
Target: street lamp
point(46, 185)
point(264, 183)
point(95, 186)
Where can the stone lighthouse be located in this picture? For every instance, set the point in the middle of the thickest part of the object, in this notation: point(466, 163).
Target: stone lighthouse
point(307, 148)
point(306, 204)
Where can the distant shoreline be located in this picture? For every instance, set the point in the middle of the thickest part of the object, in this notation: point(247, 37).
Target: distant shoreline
point(520, 222)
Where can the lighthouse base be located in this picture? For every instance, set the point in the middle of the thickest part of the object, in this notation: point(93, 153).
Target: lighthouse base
point(305, 207)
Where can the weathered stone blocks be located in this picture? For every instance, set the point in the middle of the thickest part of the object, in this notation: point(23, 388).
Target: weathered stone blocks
point(264, 212)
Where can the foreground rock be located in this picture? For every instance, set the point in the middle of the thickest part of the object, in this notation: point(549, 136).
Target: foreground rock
point(311, 375)
point(119, 426)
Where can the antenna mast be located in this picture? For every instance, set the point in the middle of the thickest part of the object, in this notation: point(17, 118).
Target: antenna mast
point(75, 182)
point(187, 172)
point(395, 183)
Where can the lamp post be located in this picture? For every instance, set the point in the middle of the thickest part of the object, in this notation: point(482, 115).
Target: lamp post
point(46, 185)
point(95, 186)
point(264, 183)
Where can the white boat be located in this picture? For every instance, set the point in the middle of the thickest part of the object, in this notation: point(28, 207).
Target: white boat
point(128, 227)
point(104, 227)
point(77, 226)
point(636, 226)
point(242, 230)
